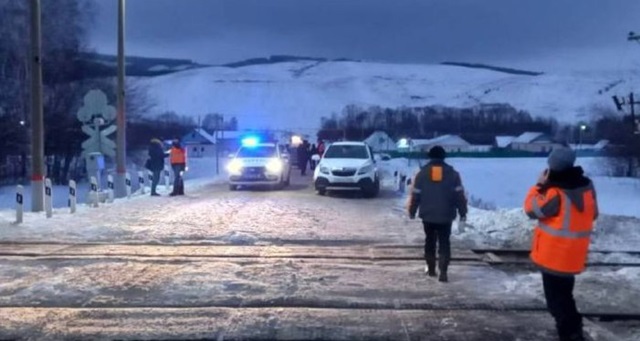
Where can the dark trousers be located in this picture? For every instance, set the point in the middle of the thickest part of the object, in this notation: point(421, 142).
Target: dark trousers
point(558, 291)
point(303, 165)
point(155, 180)
point(178, 182)
point(437, 234)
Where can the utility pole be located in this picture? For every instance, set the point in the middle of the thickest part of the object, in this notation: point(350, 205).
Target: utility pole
point(37, 117)
point(121, 139)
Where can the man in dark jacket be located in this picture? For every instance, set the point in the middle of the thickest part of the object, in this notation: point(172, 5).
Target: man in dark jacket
point(303, 157)
point(155, 164)
point(438, 196)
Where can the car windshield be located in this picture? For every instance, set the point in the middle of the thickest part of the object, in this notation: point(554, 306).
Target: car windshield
point(260, 152)
point(347, 152)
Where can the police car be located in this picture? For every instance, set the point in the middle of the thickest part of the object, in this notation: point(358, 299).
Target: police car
point(259, 164)
point(347, 166)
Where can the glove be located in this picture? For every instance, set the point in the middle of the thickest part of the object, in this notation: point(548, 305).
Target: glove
point(186, 169)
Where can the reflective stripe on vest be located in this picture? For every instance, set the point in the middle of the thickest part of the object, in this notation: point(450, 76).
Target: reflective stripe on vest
point(565, 229)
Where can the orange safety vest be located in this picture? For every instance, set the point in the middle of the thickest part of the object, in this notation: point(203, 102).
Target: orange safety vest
point(178, 156)
point(561, 237)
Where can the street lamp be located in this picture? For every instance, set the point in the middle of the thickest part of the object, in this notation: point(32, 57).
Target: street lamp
point(583, 127)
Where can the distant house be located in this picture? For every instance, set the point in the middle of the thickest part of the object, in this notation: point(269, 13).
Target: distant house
point(450, 143)
point(504, 142)
point(380, 141)
point(534, 142)
point(199, 143)
point(598, 147)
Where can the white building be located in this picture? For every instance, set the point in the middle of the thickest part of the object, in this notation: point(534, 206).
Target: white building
point(450, 143)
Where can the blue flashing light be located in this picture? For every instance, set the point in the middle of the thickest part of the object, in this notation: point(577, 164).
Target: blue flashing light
point(250, 142)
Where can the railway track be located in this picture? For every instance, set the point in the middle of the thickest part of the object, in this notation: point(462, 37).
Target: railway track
point(494, 257)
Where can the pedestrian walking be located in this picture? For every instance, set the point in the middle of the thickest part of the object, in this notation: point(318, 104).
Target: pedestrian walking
point(178, 158)
point(437, 197)
point(564, 203)
point(155, 164)
point(303, 157)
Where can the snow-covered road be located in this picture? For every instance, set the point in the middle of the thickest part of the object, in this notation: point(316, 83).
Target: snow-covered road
point(288, 263)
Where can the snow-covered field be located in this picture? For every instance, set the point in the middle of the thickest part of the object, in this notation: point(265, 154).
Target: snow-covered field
point(503, 182)
point(296, 95)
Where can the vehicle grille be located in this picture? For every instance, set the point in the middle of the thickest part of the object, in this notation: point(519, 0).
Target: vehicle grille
point(344, 172)
point(253, 170)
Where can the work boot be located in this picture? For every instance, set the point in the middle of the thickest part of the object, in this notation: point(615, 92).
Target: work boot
point(430, 269)
point(443, 264)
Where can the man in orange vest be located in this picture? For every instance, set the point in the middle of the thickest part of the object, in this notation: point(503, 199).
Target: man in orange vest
point(178, 159)
point(564, 203)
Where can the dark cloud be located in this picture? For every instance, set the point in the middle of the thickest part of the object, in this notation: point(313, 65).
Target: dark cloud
point(387, 30)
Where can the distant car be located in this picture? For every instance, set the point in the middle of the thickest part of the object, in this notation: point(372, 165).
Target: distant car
point(347, 166)
point(259, 164)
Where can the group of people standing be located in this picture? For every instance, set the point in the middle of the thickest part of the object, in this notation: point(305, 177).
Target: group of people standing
point(177, 158)
point(563, 201)
point(305, 153)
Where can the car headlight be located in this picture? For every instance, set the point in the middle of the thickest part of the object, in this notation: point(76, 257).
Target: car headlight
point(235, 166)
point(365, 170)
point(324, 170)
point(274, 166)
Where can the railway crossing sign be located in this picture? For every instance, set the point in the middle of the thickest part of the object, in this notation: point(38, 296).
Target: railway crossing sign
point(97, 117)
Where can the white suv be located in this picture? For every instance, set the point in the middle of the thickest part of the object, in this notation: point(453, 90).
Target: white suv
point(347, 166)
point(259, 164)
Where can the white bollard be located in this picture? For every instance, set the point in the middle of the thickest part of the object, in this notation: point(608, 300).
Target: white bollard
point(94, 192)
point(73, 199)
point(19, 204)
point(141, 182)
point(167, 177)
point(110, 188)
point(48, 197)
point(127, 182)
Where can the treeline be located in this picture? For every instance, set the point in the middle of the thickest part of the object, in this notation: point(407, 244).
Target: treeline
point(477, 125)
point(66, 79)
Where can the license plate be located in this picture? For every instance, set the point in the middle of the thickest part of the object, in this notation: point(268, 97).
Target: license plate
point(253, 176)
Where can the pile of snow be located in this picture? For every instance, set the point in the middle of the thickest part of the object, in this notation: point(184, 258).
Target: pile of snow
point(504, 182)
point(296, 95)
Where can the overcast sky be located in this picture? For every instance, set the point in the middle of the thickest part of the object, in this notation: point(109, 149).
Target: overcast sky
point(514, 32)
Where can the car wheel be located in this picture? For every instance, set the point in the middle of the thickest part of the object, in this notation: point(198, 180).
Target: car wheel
point(373, 191)
point(233, 187)
point(322, 192)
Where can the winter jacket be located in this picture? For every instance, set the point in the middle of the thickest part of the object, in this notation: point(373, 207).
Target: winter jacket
point(437, 194)
point(566, 208)
point(156, 156)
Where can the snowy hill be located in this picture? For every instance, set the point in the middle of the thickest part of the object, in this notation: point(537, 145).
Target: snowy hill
point(295, 95)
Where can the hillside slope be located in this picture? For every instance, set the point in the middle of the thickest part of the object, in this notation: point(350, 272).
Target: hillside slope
point(296, 95)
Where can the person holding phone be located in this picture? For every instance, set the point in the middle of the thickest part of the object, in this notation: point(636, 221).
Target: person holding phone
point(564, 203)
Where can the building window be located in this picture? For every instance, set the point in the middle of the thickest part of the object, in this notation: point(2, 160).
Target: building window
point(202, 149)
point(195, 149)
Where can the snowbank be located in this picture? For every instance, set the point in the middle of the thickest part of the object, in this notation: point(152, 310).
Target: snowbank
point(504, 182)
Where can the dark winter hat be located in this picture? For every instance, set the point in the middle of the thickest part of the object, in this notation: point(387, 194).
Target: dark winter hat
point(437, 153)
point(561, 158)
